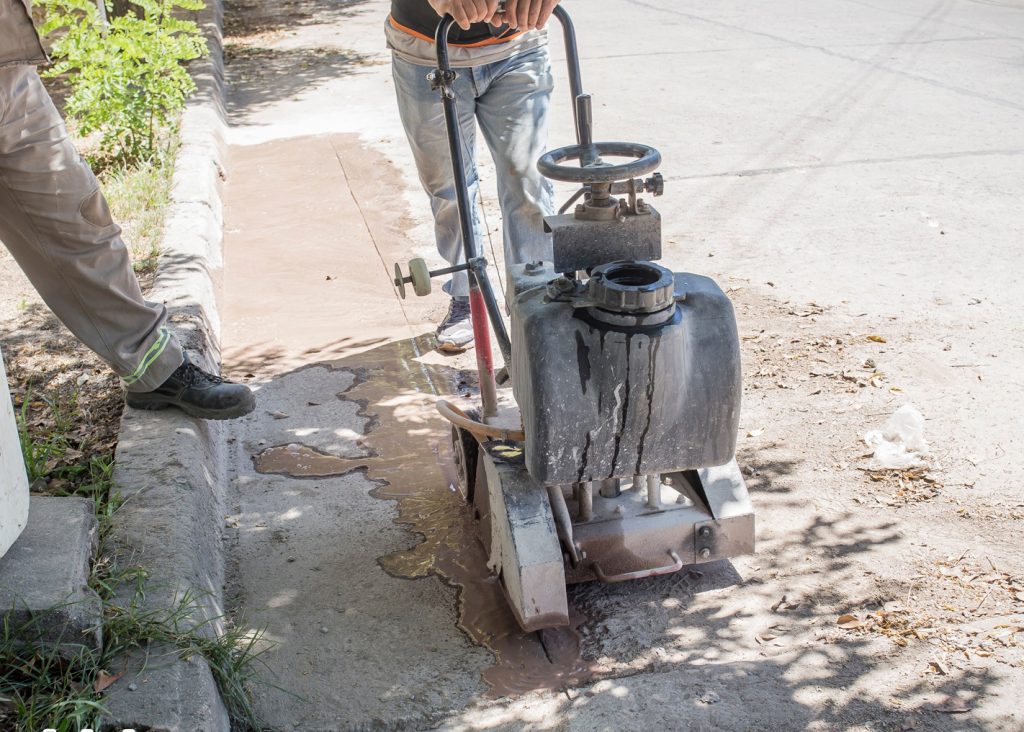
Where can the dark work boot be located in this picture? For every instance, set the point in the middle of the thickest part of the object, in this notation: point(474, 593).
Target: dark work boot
point(196, 393)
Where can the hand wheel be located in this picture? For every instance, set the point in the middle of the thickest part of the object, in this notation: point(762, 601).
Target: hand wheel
point(647, 160)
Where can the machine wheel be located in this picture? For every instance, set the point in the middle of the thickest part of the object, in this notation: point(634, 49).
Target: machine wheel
point(466, 451)
point(420, 275)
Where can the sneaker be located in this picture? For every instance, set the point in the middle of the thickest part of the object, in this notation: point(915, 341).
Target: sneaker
point(455, 334)
point(196, 393)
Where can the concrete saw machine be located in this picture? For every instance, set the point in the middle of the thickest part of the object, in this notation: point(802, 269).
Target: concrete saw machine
point(605, 449)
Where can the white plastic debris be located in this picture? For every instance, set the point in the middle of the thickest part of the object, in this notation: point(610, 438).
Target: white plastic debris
point(900, 444)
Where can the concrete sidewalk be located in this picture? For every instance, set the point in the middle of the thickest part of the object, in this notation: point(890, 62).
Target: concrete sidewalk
point(844, 169)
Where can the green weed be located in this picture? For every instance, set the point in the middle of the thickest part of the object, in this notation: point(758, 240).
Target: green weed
point(126, 72)
point(40, 688)
point(53, 456)
point(138, 198)
point(233, 654)
point(43, 688)
point(45, 449)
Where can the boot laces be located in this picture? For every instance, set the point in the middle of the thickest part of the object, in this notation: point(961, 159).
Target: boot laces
point(192, 375)
point(458, 311)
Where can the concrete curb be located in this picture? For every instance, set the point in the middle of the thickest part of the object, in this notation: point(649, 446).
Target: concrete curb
point(45, 598)
point(171, 469)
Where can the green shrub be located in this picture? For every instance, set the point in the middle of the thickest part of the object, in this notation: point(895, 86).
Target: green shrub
point(126, 74)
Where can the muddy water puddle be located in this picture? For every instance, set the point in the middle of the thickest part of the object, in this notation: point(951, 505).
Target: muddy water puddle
point(410, 459)
point(301, 461)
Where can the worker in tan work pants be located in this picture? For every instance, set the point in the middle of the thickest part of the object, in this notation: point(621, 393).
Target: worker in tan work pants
point(55, 222)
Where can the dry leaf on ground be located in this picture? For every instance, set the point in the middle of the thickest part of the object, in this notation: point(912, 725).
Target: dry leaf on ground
point(849, 622)
point(103, 680)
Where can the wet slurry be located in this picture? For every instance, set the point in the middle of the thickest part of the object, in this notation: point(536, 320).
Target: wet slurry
point(411, 462)
point(301, 461)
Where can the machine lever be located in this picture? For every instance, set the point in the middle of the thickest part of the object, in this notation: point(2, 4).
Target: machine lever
point(676, 565)
point(584, 120)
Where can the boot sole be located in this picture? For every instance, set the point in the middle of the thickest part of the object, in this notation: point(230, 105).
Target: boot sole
point(235, 412)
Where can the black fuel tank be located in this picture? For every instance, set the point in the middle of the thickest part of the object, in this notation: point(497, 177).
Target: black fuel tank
point(602, 399)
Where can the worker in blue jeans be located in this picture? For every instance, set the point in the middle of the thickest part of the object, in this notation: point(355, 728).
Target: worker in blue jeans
point(504, 84)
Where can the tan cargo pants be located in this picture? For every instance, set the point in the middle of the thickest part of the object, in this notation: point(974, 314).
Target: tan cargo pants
point(55, 222)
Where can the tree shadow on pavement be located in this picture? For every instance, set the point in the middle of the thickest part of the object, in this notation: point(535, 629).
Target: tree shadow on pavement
point(260, 359)
point(741, 647)
point(259, 73)
point(260, 76)
point(249, 17)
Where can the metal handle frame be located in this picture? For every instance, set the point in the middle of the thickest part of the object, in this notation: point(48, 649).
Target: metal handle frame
point(572, 58)
point(482, 301)
point(483, 305)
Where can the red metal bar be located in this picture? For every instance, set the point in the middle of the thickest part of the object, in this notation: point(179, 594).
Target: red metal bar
point(484, 356)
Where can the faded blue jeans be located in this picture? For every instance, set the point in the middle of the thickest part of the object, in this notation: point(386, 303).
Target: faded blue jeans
point(509, 100)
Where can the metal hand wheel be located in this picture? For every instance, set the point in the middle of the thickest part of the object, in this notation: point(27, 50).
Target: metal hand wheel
point(646, 160)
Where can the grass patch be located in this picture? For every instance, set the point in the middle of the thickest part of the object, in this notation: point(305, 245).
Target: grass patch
point(60, 459)
point(40, 688)
point(138, 198)
point(233, 654)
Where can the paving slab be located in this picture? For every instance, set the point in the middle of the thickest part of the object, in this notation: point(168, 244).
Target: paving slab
point(44, 592)
point(317, 268)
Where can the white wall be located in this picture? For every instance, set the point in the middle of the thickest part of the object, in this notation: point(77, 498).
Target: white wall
point(13, 482)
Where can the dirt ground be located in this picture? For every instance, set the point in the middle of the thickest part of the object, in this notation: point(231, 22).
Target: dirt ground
point(71, 402)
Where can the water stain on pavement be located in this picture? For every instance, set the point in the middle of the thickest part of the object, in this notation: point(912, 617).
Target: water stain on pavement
point(411, 460)
point(301, 461)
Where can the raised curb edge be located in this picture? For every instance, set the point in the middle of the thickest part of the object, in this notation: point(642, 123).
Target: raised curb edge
point(170, 469)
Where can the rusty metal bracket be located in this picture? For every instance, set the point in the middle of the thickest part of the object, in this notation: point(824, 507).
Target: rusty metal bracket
point(705, 540)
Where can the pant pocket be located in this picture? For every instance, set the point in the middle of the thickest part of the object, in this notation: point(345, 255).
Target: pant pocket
point(94, 209)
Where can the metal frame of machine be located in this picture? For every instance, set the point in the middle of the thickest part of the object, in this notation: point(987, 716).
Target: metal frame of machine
point(608, 450)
